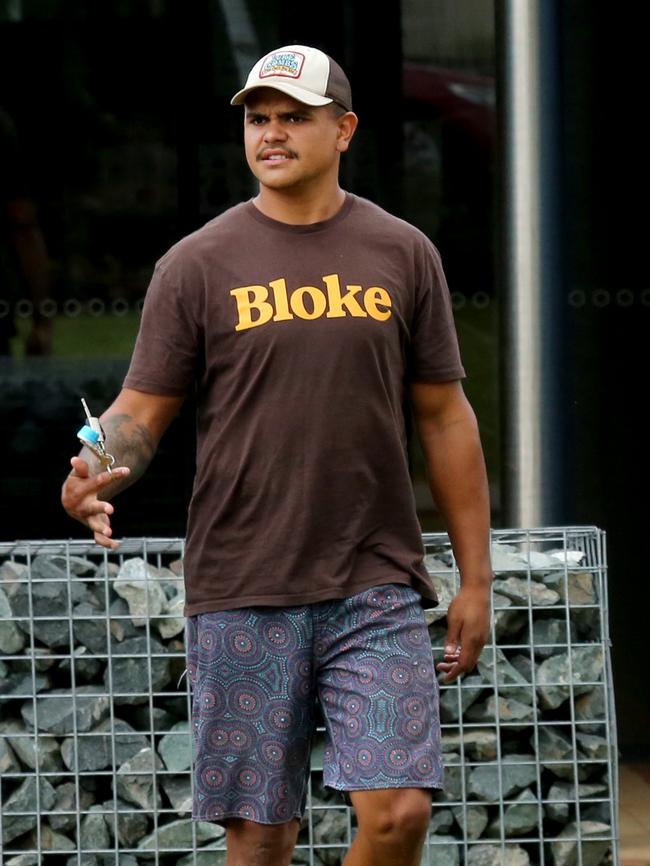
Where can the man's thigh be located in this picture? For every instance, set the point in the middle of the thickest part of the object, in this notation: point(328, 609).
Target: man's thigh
point(378, 692)
point(252, 713)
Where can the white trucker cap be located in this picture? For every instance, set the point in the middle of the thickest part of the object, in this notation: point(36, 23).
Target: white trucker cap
point(307, 74)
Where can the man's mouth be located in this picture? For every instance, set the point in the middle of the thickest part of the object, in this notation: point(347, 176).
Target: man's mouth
point(275, 156)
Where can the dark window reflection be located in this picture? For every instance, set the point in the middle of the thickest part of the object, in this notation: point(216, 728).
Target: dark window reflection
point(116, 139)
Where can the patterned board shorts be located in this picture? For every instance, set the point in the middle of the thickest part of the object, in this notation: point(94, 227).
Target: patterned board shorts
point(255, 674)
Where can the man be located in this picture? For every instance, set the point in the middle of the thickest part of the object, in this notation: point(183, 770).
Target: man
point(301, 317)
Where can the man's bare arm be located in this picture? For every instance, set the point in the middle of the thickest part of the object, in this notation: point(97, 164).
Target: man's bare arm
point(452, 449)
point(451, 444)
point(134, 425)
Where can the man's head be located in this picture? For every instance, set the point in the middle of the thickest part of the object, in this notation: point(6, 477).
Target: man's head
point(298, 118)
point(308, 75)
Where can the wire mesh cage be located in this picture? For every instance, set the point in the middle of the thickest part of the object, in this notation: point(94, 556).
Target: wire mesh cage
point(96, 744)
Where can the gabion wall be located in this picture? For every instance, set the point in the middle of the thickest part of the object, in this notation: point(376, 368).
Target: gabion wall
point(96, 748)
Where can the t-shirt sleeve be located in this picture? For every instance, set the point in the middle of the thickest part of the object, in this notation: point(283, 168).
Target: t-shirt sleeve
point(433, 352)
point(166, 353)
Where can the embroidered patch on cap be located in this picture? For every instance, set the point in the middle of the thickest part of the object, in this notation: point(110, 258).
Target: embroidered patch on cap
point(287, 63)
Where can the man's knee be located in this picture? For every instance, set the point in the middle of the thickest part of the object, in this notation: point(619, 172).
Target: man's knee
point(266, 844)
point(393, 813)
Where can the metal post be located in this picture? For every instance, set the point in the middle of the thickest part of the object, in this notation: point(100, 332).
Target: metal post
point(534, 480)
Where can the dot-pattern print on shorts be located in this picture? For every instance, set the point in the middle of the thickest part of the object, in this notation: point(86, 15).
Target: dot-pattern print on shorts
point(256, 673)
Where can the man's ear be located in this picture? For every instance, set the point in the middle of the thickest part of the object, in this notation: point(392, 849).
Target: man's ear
point(347, 124)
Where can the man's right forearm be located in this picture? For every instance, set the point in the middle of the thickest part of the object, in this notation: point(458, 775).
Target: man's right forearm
point(130, 443)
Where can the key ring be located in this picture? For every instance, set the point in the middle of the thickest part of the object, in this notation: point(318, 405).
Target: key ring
point(93, 437)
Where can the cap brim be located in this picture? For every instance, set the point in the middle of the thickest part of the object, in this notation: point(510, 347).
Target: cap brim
point(298, 93)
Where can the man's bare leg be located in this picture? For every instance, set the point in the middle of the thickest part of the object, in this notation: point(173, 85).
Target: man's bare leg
point(250, 843)
point(393, 825)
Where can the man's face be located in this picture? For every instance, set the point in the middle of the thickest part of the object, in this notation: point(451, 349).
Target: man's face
point(288, 144)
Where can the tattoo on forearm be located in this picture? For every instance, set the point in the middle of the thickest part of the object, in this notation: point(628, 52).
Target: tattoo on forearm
point(131, 445)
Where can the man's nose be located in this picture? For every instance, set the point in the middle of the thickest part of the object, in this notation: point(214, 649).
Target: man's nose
point(275, 131)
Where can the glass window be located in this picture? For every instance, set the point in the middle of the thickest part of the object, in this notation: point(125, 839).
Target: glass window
point(117, 139)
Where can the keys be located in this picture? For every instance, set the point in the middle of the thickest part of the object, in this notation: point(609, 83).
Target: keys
point(92, 436)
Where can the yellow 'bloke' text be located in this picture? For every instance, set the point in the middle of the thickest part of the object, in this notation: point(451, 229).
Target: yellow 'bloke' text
point(308, 302)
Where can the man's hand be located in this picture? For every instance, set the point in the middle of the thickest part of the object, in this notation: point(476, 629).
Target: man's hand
point(468, 629)
point(79, 496)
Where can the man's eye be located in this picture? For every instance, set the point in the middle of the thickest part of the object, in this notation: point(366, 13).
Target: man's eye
point(296, 118)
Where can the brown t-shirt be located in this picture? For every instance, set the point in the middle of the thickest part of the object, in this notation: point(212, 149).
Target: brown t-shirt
point(299, 340)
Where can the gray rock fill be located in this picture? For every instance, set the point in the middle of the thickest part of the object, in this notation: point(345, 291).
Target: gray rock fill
point(441, 851)
point(40, 659)
point(550, 636)
point(445, 586)
point(211, 855)
point(162, 719)
point(441, 820)
point(508, 620)
point(135, 780)
point(178, 834)
point(50, 840)
point(179, 791)
point(332, 828)
point(12, 639)
point(520, 818)
point(480, 744)
point(601, 813)
point(469, 689)
point(522, 663)
point(95, 751)
point(508, 710)
point(130, 823)
point(138, 583)
point(494, 667)
point(24, 799)
point(585, 707)
point(45, 567)
point(591, 705)
point(21, 684)
point(522, 592)
point(580, 594)
point(175, 748)
point(121, 621)
point(472, 818)
point(515, 771)
point(562, 795)
point(172, 622)
point(77, 565)
point(55, 711)
point(593, 747)
point(8, 761)
point(86, 668)
point(30, 749)
point(12, 575)
point(579, 588)
point(492, 855)
point(507, 559)
point(553, 676)
point(139, 676)
point(566, 852)
point(89, 625)
point(66, 802)
point(556, 752)
point(23, 860)
point(48, 599)
point(453, 778)
point(93, 832)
